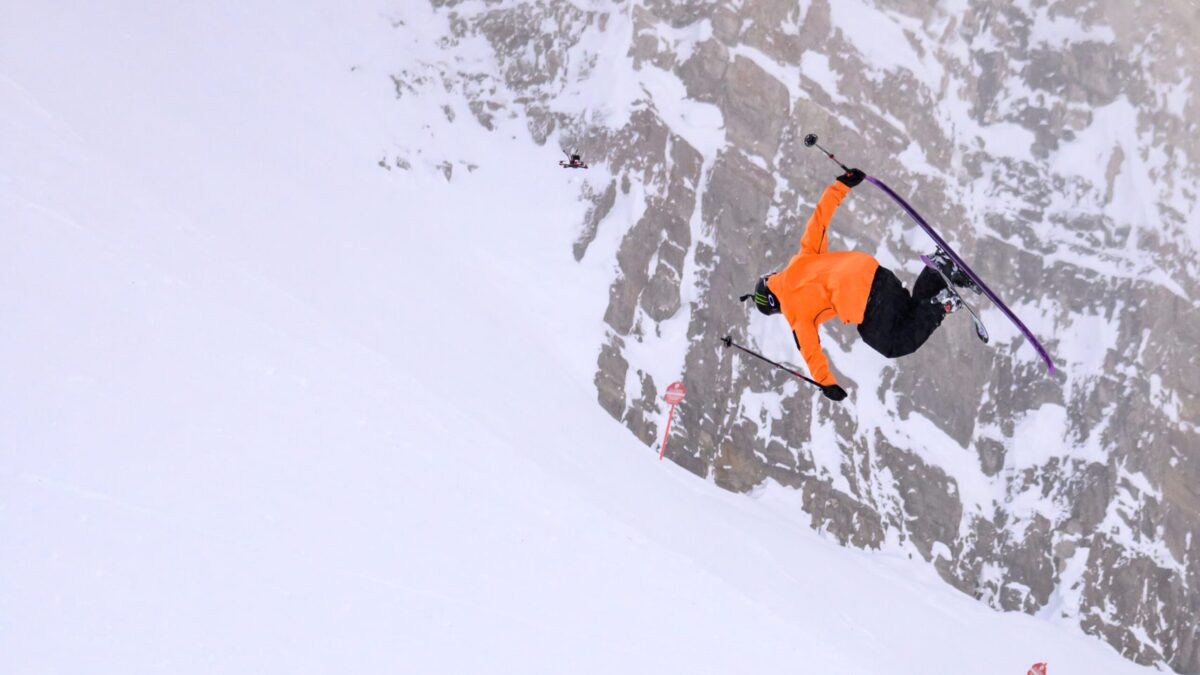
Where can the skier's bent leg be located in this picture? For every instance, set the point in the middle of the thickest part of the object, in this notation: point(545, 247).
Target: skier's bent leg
point(896, 324)
point(915, 329)
point(929, 283)
point(888, 304)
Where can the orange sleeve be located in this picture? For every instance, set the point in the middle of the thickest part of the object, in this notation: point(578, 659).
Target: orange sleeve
point(810, 349)
point(815, 239)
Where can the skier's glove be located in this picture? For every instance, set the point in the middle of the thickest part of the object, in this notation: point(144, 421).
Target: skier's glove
point(833, 392)
point(852, 178)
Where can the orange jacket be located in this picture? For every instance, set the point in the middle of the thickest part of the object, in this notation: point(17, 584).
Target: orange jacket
point(818, 285)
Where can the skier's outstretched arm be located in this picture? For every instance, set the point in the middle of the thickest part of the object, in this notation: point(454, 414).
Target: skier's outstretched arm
point(815, 238)
point(810, 349)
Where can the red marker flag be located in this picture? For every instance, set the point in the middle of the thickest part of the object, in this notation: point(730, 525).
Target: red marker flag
point(674, 396)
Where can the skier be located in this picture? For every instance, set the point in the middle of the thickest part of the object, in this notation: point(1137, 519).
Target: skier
point(819, 284)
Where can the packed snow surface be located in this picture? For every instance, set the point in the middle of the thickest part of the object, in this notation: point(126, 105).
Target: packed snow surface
point(266, 406)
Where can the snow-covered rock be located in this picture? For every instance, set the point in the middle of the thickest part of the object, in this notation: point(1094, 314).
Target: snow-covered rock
point(1055, 144)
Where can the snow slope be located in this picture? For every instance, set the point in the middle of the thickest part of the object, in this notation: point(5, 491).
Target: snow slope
point(267, 407)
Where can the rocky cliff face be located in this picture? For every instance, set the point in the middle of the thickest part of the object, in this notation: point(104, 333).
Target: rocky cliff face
point(1057, 145)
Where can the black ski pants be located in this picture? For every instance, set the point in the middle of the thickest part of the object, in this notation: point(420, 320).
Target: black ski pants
point(895, 323)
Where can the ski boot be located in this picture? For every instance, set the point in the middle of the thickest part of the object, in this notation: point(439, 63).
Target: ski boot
point(946, 266)
point(948, 299)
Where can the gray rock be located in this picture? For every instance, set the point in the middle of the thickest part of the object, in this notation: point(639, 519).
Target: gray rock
point(755, 106)
point(610, 378)
point(1099, 253)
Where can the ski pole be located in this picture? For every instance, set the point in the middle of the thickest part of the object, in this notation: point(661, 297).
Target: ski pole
point(728, 341)
point(811, 140)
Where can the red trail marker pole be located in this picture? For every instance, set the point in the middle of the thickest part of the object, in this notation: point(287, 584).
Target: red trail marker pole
point(675, 394)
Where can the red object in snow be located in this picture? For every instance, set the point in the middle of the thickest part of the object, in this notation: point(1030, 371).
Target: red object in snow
point(674, 395)
point(1037, 669)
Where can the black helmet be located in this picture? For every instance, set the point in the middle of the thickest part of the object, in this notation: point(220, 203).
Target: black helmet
point(764, 299)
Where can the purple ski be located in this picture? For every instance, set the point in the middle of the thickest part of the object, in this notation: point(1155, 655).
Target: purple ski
point(963, 266)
